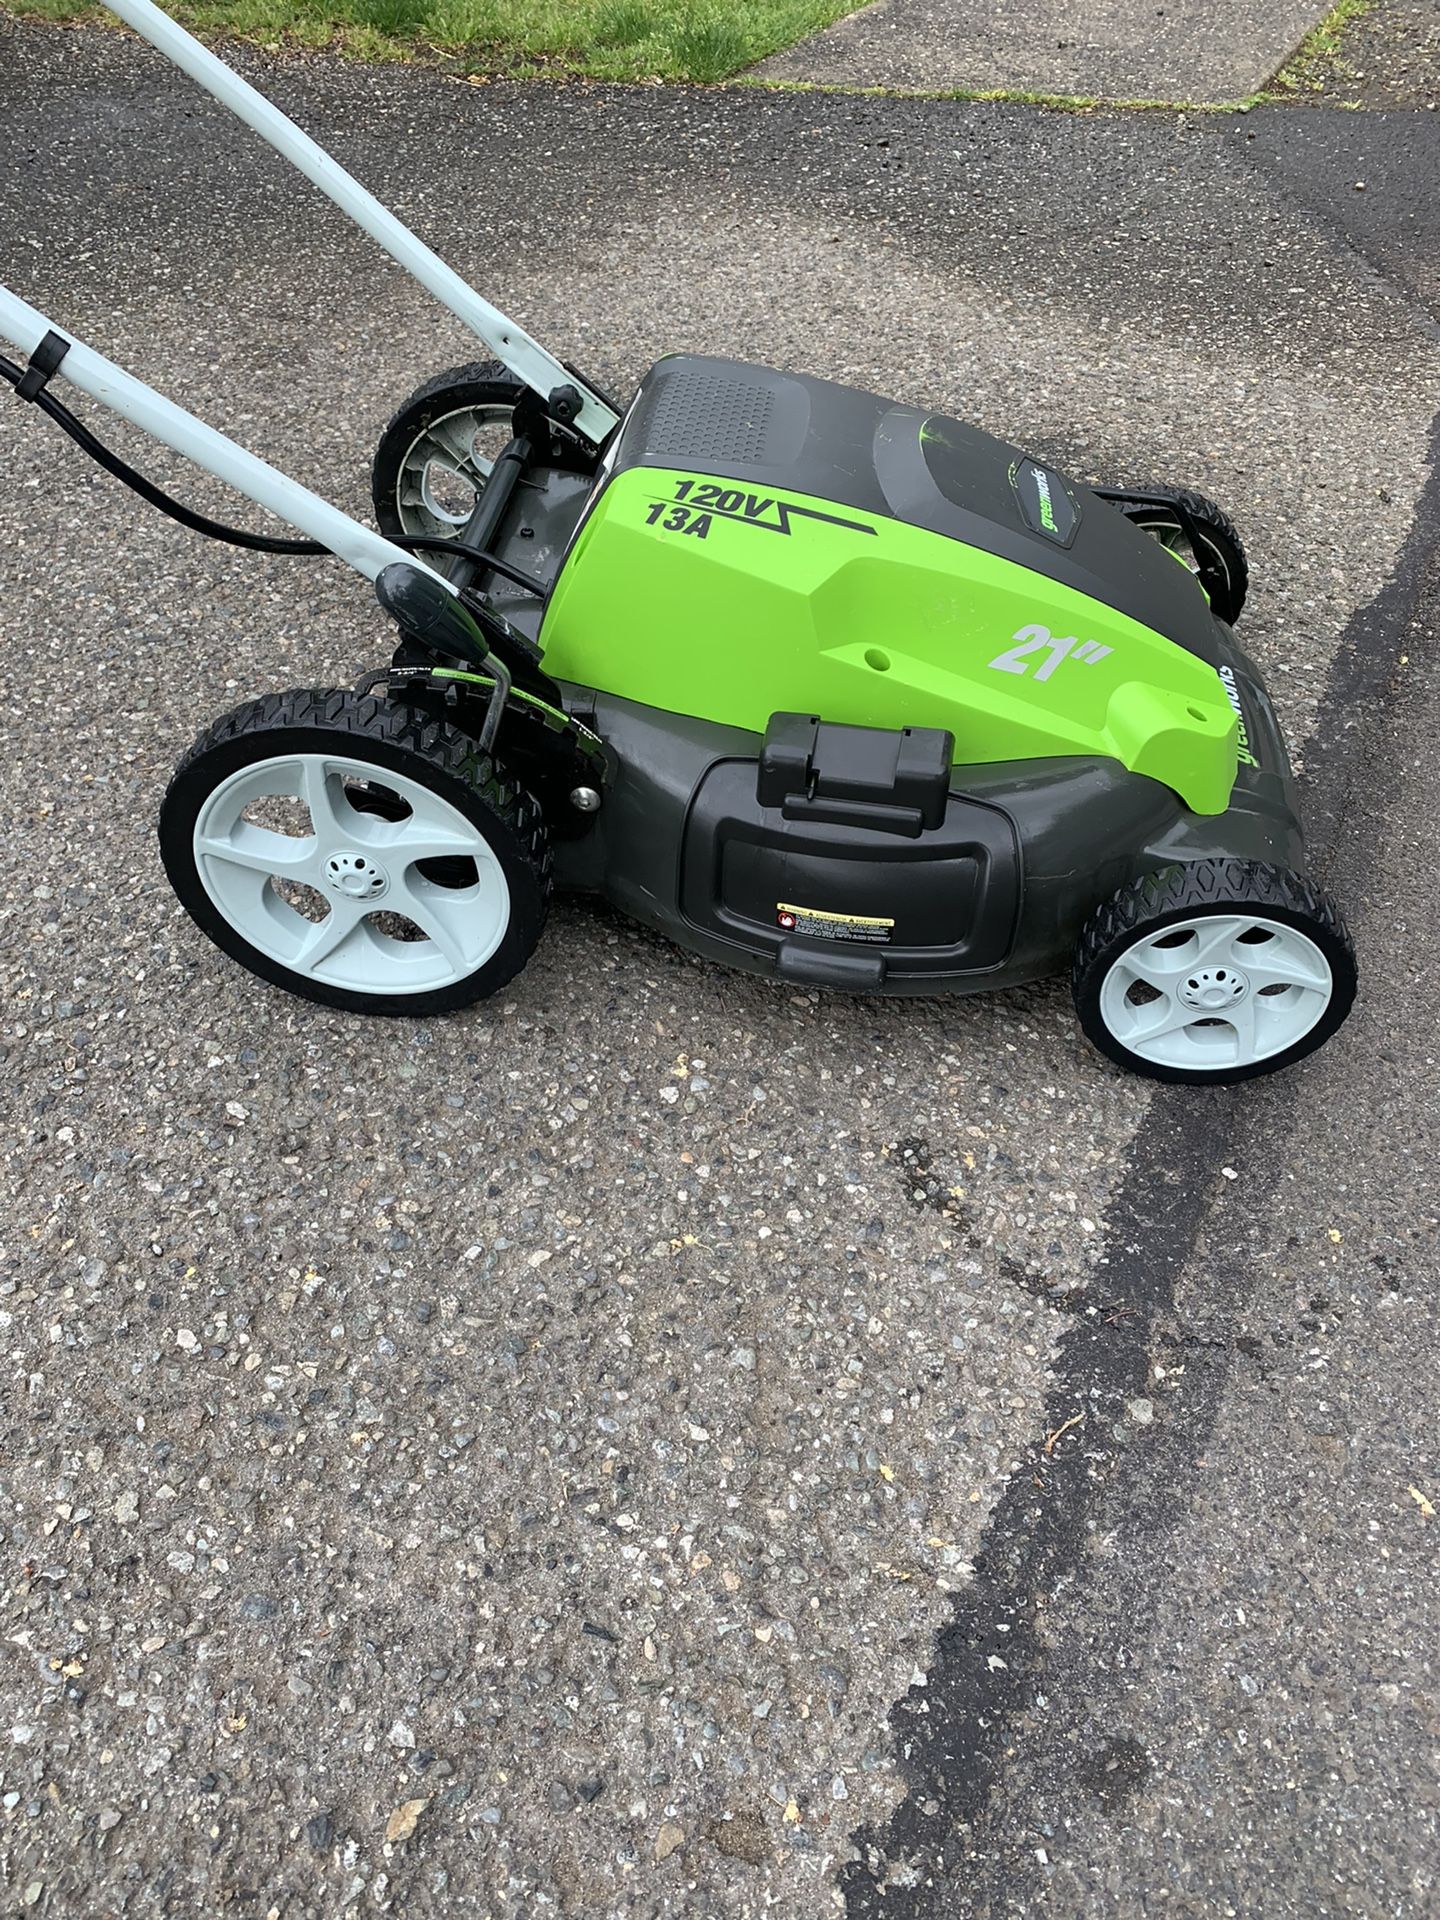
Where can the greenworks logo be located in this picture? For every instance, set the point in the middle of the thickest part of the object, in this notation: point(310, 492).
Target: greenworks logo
point(1046, 503)
point(1243, 751)
point(1047, 506)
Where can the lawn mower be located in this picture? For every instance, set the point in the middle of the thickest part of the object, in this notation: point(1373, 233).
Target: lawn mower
point(843, 692)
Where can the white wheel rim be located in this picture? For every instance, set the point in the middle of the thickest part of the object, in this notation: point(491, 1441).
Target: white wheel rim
point(444, 452)
point(1217, 992)
point(357, 875)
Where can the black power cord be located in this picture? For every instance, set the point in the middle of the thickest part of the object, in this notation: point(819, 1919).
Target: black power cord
point(201, 523)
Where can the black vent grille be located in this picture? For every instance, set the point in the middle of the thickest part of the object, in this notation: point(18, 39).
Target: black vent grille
point(729, 419)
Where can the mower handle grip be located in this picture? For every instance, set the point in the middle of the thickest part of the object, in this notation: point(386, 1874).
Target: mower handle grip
point(436, 619)
point(430, 612)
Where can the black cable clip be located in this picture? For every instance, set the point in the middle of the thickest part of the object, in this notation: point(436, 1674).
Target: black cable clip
point(44, 363)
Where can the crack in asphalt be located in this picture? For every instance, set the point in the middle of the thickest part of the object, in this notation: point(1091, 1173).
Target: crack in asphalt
point(956, 1735)
point(953, 1733)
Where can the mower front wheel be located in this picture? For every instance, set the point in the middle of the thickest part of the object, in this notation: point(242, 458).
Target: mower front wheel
point(357, 852)
point(1214, 972)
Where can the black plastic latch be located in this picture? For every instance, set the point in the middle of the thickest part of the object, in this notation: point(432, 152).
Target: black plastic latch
point(888, 781)
point(563, 404)
point(44, 364)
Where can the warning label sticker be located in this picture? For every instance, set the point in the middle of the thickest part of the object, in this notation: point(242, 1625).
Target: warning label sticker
point(866, 929)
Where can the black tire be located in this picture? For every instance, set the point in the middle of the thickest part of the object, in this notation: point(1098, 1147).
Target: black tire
point(1225, 550)
point(390, 738)
point(483, 384)
point(1210, 888)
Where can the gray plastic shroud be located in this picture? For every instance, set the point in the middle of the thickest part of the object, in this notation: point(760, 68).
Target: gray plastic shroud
point(999, 893)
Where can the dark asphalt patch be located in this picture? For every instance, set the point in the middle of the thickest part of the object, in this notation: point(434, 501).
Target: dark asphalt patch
point(1370, 176)
point(1123, 1472)
point(954, 1734)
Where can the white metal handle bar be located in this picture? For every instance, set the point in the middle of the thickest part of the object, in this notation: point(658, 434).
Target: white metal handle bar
point(92, 373)
point(526, 358)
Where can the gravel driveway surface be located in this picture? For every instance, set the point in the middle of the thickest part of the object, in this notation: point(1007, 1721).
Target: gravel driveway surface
point(513, 1465)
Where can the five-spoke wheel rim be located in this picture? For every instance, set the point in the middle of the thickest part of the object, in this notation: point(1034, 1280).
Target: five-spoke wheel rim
point(1216, 992)
point(350, 874)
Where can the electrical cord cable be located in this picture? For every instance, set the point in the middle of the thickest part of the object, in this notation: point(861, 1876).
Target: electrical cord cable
point(201, 523)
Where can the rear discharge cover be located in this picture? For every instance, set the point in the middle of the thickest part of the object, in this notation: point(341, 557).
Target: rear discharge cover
point(839, 900)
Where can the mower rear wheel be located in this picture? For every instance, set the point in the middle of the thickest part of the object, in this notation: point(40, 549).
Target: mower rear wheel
point(1214, 972)
point(358, 852)
point(1214, 529)
point(436, 454)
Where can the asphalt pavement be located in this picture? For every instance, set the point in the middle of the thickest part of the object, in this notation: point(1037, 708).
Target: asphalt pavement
point(603, 1451)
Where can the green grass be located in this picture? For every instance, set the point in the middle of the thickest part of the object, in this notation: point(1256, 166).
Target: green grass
point(1076, 103)
point(701, 40)
point(1318, 62)
point(695, 40)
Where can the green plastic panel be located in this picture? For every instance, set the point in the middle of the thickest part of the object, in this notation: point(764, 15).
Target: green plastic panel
point(700, 596)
